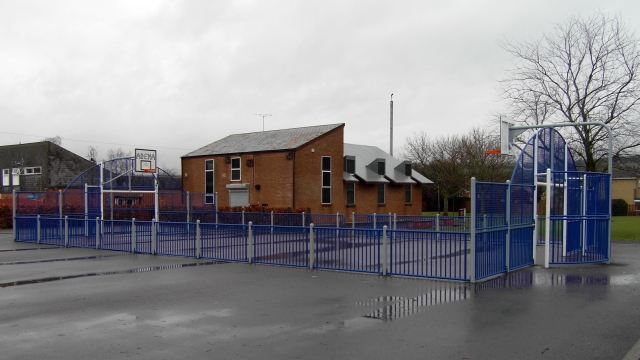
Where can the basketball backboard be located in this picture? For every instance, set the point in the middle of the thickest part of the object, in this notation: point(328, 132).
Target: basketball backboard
point(145, 160)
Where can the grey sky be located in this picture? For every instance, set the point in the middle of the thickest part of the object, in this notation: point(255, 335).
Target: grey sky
point(176, 76)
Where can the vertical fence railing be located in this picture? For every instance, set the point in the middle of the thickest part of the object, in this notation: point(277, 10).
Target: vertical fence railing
point(281, 245)
point(352, 250)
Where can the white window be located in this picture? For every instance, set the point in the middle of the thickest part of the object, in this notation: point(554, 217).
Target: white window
point(326, 180)
point(15, 176)
point(208, 182)
point(5, 177)
point(235, 169)
point(32, 170)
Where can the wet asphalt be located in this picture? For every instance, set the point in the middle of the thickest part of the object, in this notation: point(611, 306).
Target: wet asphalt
point(58, 303)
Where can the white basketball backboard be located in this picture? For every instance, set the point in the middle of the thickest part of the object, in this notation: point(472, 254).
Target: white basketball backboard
point(145, 160)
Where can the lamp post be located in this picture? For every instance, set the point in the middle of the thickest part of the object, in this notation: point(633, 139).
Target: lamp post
point(263, 116)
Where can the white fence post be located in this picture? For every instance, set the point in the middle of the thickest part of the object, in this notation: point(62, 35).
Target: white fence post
point(198, 240)
point(98, 232)
point(547, 230)
point(353, 220)
point(154, 239)
point(395, 221)
point(38, 230)
point(303, 223)
point(242, 217)
point(133, 235)
point(312, 246)
point(385, 250)
point(337, 224)
point(374, 221)
point(250, 244)
point(66, 231)
point(188, 207)
point(272, 223)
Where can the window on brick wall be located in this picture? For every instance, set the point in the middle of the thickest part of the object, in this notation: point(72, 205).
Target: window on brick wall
point(235, 169)
point(407, 194)
point(5, 177)
point(350, 164)
point(15, 176)
point(380, 193)
point(209, 189)
point(351, 193)
point(326, 180)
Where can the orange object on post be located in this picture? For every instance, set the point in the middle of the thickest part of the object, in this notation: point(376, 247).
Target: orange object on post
point(493, 152)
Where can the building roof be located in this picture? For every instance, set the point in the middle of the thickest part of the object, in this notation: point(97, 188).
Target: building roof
point(274, 140)
point(365, 155)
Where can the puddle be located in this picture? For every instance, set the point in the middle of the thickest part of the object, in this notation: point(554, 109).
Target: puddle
point(131, 271)
point(95, 257)
point(402, 307)
point(26, 249)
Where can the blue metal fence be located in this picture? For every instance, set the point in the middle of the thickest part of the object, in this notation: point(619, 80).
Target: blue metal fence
point(348, 249)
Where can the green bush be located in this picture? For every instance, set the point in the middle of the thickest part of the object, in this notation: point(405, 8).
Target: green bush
point(619, 207)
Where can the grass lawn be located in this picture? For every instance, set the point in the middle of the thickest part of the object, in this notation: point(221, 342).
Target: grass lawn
point(625, 227)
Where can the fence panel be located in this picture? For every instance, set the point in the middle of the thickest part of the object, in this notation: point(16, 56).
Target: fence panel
point(440, 255)
point(52, 231)
point(82, 233)
point(143, 236)
point(281, 245)
point(491, 229)
point(174, 238)
point(348, 249)
point(224, 242)
point(26, 228)
point(116, 235)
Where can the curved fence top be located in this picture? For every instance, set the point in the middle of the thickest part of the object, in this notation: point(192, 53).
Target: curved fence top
point(120, 174)
point(549, 152)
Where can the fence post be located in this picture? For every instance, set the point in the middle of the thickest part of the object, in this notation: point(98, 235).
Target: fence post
point(60, 209)
point(438, 222)
point(337, 224)
point(385, 250)
point(198, 240)
point(38, 230)
point(243, 217)
point(188, 207)
point(272, 223)
point(154, 239)
point(66, 231)
point(98, 231)
point(353, 220)
point(472, 233)
point(303, 223)
point(395, 221)
point(133, 235)
point(250, 244)
point(547, 230)
point(312, 246)
point(374, 221)
point(14, 202)
point(508, 220)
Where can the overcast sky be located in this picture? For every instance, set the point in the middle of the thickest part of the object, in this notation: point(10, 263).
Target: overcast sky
point(177, 75)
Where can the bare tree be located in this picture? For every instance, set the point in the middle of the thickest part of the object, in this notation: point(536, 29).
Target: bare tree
point(587, 70)
point(117, 153)
point(92, 154)
point(451, 161)
point(56, 140)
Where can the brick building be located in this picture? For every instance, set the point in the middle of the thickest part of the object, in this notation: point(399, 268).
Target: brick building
point(310, 168)
point(38, 166)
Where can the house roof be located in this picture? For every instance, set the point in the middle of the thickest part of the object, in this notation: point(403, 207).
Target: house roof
point(274, 140)
point(365, 155)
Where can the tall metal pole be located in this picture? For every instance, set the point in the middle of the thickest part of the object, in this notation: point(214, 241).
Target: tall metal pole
point(391, 133)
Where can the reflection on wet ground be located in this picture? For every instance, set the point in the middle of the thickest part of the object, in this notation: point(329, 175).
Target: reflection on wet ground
point(62, 259)
point(400, 307)
point(130, 271)
point(26, 249)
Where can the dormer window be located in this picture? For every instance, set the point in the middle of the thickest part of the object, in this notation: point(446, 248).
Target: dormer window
point(407, 169)
point(350, 164)
point(381, 168)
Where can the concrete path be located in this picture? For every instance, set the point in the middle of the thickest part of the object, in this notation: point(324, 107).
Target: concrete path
point(61, 303)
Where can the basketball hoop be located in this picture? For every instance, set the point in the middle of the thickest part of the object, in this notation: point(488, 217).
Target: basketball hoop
point(492, 152)
point(149, 170)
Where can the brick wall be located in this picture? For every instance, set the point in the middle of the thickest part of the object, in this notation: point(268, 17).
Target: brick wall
point(308, 169)
point(366, 197)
